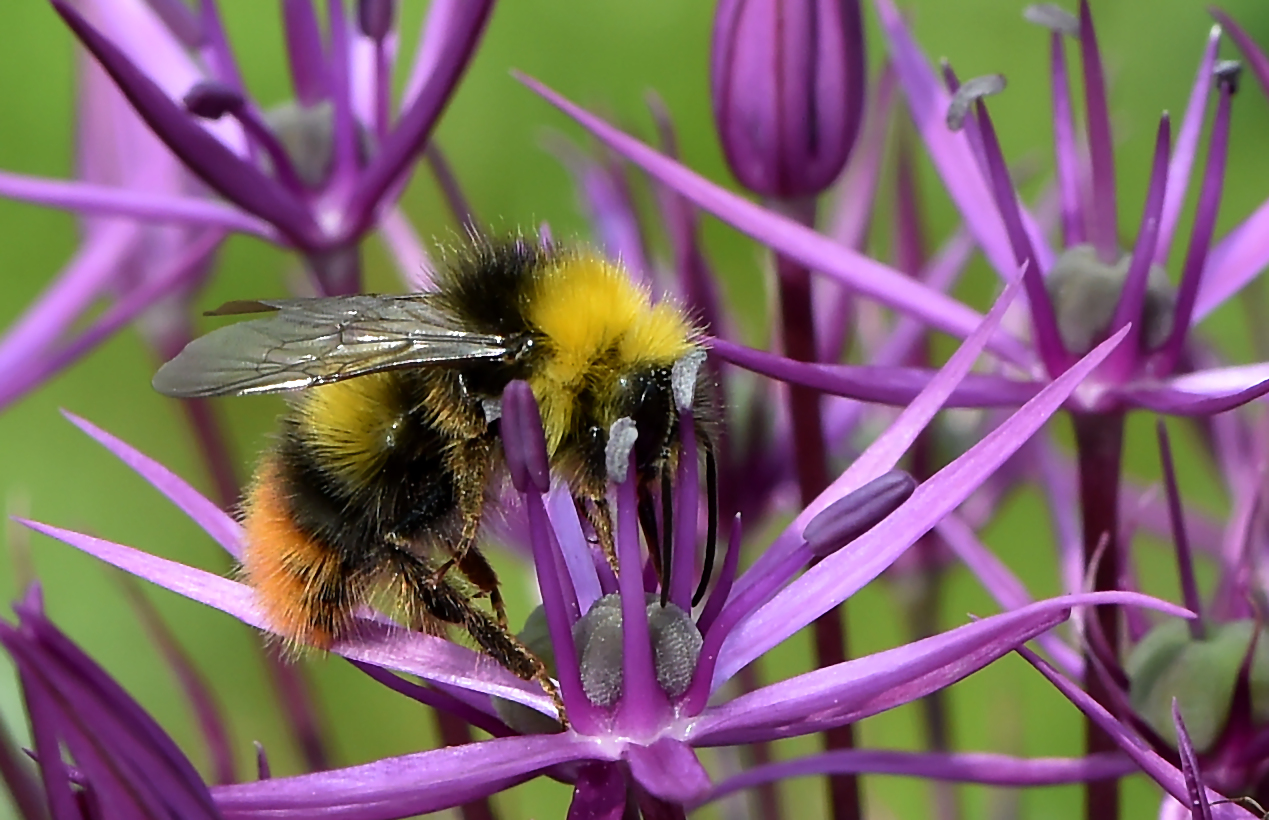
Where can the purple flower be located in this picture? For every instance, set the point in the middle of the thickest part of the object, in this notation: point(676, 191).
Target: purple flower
point(642, 733)
point(315, 175)
point(124, 764)
point(787, 82)
point(143, 272)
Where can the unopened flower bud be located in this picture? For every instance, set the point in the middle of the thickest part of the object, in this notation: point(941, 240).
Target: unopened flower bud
point(537, 638)
point(788, 84)
point(1201, 674)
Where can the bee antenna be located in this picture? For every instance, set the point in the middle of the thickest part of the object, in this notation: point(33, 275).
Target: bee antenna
point(667, 524)
point(711, 533)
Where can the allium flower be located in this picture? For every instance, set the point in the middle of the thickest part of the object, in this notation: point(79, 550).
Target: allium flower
point(142, 271)
point(787, 79)
point(641, 735)
point(315, 175)
point(125, 765)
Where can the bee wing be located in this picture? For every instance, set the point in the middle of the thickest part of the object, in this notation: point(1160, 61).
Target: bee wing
point(307, 342)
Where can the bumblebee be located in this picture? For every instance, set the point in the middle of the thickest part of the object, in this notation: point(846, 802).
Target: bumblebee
point(390, 450)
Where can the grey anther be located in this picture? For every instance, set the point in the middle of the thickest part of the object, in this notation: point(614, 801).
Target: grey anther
point(621, 440)
point(1054, 18)
point(970, 92)
point(683, 379)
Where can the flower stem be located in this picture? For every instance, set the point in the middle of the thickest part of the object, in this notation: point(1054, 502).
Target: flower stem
point(807, 423)
point(1099, 439)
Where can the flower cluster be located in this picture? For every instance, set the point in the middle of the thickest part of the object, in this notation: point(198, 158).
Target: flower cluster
point(836, 461)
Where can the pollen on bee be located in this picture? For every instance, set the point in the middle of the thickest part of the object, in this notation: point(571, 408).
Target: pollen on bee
point(292, 574)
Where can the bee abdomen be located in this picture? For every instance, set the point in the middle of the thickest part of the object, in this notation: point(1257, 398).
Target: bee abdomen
point(302, 583)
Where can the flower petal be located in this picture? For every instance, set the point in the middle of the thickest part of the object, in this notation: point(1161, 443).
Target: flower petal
point(895, 386)
point(1002, 584)
point(1193, 403)
point(840, 575)
point(457, 27)
point(965, 767)
point(108, 200)
point(950, 150)
point(238, 180)
point(668, 769)
point(214, 521)
point(408, 785)
point(798, 242)
point(1160, 770)
point(372, 639)
point(1186, 147)
point(850, 691)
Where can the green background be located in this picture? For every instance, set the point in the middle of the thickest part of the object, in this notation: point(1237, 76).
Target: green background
point(606, 56)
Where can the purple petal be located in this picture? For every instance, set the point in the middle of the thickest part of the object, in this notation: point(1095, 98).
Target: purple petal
point(95, 265)
point(190, 264)
point(1235, 261)
point(45, 719)
point(1002, 584)
point(668, 769)
point(840, 575)
point(643, 704)
point(142, 35)
point(1133, 297)
point(1196, 256)
point(600, 793)
point(882, 455)
point(214, 521)
point(239, 181)
point(895, 386)
point(1102, 208)
point(1200, 806)
point(855, 194)
point(965, 767)
point(1186, 147)
point(304, 51)
point(575, 548)
point(850, 691)
point(1160, 770)
point(799, 243)
point(408, 785)
point(1175, 402)
point(457, 26)
point(1048, 339)
point(346, 148)
point(941, 274)
point(1176, 516)
point(1065, 148)
point(950, 151)
point(108, 200)
point(197, 691)
point(372, 640)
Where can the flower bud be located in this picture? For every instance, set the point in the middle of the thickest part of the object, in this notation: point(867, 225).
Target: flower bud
point(788, 84)
point(1201, 675)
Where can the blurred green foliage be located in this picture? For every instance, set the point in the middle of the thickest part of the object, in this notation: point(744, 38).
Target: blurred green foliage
point(607, 56)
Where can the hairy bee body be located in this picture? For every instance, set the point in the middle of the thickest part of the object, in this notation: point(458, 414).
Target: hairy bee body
point(391, 447)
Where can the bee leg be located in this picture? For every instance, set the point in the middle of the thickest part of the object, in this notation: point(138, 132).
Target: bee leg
point(599, 516)
point(476, 567)
point(445, 603)
point(469, 462)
